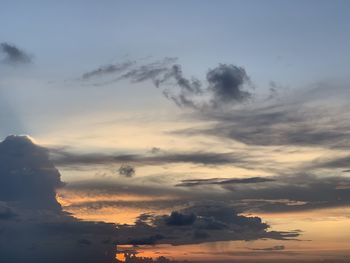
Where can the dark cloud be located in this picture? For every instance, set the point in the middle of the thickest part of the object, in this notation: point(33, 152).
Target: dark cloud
point(27, 175)
point(226, 83)
point(33, 226)
point(65, 158)
point(179, 219)
point(13, 55)
point(108, 69)
point(126, 170)
point(221, 181)
point(283, 193)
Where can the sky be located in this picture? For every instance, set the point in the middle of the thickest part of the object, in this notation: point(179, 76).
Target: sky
point(207, 131)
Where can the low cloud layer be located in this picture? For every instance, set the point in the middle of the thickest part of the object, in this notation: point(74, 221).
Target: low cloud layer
point(34, 228)
point(197, 224)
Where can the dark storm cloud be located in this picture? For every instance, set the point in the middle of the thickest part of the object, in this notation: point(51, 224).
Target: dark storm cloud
point(13, 55)
point(221, 181)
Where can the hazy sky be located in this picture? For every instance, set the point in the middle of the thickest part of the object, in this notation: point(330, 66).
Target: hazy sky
point(221, 127)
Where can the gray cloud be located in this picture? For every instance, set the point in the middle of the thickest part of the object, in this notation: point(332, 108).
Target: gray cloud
point(200, 223)
point(66, 158)
point(34, 228)
point(277, 124)
point(283, 193)
point(226, 83)
point(222, 181)
point(27, 175)
point(107, 69)
point(14, 55)
point(126, 170)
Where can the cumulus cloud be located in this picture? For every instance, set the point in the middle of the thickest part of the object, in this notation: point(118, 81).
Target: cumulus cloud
point(13, 55)
point(27, 175)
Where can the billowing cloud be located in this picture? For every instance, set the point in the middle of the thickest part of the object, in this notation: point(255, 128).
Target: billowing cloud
point(13, 55)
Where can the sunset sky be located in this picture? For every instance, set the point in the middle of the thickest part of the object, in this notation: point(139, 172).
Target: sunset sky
point(207, 131)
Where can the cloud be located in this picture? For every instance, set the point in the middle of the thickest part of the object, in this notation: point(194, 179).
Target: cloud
point(107, 69)
point(277, 124)
point(14, 55)
point(284, 193)
point(200, 223)
point(222, 181)
point(62, 157)
point(27, 175)
point(33, 226)
point(226, 83)
point(126, 170)
point(179, 219)
point(274, 248)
